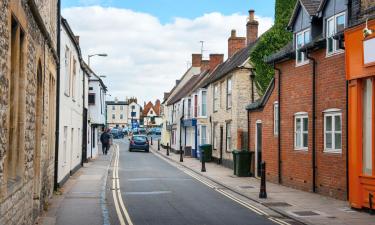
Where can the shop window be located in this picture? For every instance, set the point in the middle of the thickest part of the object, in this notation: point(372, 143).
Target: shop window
point(333, 132)
point(302, 38)
point(367, 134)
point(301, 131)
point(334, 25)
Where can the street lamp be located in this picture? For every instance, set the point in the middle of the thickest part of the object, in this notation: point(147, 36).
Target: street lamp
point(252, 77)
point(99, 54)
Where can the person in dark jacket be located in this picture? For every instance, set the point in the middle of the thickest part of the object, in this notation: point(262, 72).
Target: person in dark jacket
point(105, 139)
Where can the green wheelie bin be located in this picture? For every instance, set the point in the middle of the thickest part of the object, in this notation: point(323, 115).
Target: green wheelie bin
point(207, 152)
point(241, 163)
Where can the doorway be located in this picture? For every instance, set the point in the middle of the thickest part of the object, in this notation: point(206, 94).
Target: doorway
point(258, 148)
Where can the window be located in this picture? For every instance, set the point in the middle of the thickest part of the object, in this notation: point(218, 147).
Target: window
point(65, 144)
point(332, 132)
point(74, 80)
point(91, 99)
point(301, 131)
point(67, 71)
point(276, 118)
point(17, 101)
point(368, 120)
point(121, 107)
point(204, 103)
point(334, 25)
point(121, 116)
point(302, 38)
point(195, 105)
point(113, 107)
point(229, 93)
point(203, 135)
point(189, 109)
point(133, 106)
point(228, 136)
point(216, 97)
point(91, 88)
point(214, 136)
point(113, 116)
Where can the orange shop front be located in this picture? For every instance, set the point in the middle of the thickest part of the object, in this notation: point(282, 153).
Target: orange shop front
point(360, 73)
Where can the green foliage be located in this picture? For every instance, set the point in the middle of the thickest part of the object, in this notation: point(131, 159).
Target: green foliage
point(270, 42)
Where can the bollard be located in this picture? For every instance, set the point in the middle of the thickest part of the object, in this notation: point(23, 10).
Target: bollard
point(167, 149)
point(203, 162)
point(158, 144)
point(151, 140)
point(263, 192)
point(370, 197)
point(181, 156)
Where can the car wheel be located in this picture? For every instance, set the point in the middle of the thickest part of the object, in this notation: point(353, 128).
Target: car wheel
point(130, 149)
point(147, 150)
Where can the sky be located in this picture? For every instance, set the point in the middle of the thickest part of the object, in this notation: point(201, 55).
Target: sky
point(149, 42)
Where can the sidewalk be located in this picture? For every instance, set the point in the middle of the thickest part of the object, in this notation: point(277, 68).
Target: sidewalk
point(302, 206)
point(82, 198)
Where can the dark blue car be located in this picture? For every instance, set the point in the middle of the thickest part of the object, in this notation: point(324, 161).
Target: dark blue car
point(139, 142)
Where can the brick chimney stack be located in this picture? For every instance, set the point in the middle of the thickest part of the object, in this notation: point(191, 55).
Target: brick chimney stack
point(215, 60)
point(235, 43)
point(205, 65)
point(252, 27)
point(196, 60)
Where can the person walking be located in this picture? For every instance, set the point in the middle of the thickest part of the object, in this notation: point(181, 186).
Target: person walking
point(105, 139)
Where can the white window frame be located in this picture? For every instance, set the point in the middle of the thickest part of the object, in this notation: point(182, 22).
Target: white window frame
point(229, 93)
point(304, 60)
point(334, 42)
point(113, 107)
point(113, 116)
point(301, 116)
point(203, 104)
point(333, 114)
point(228, 135)
point(276, 121)
point(205, 134)
point(216, 97)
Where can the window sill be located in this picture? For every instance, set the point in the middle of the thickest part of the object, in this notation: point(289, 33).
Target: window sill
point(335, 151)
point(301, 149)
point(339, 52)
point(302, 63)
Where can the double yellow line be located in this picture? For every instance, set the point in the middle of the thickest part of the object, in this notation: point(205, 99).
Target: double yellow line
point(239, 201)
point(116, 192)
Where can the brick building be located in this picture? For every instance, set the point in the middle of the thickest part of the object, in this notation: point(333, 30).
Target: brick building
point(28, 75)
point(298, 127)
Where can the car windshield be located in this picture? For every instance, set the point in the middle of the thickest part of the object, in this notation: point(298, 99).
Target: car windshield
point(140, 138)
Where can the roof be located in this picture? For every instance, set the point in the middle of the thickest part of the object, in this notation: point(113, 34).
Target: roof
point(311, 7)
point(176, 85)
point(184, 90)
point(203, 77)
point(260, 103)
point(232, 63)
point(149, 106)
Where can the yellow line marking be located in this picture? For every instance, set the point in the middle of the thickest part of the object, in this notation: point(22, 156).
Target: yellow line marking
point(241, 203)
point(118, 211)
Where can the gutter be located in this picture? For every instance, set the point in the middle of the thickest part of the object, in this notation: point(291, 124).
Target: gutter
point(313, 121)
point(57, 132)
point(279, 125)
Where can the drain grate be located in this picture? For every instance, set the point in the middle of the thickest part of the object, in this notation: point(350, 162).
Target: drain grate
point(246, 187)
point(277, 204)
point(305, 213)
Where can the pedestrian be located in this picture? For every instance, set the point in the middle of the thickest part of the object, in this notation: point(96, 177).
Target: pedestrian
point(105, 139)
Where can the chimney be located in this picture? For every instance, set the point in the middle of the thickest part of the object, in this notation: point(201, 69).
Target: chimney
point(235, 43)
point(215, 60)
point(77, 39)
point(205, 65)
point(196, 60)
point(252, 27)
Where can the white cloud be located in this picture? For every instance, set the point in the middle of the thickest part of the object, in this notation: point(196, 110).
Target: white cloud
point(145, 56)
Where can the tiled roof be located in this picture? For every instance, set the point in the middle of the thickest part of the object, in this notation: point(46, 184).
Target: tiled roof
point(184, 90)
point(283, 53)
point(231, 63)
point(311, 6)
point(260, 103)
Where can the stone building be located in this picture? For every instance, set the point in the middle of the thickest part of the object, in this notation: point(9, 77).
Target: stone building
point(28, 76)
point(117, 113)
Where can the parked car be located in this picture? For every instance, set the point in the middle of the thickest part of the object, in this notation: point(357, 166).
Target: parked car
point(139, 142)
point(157, 131)
point(142, 131)
point(117, 134)
point(125, 131)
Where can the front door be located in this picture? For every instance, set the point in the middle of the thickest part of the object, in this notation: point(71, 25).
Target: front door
point(258, 148)
point(221, 144)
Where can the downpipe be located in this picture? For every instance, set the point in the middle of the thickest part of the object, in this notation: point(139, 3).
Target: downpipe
point(279, 125)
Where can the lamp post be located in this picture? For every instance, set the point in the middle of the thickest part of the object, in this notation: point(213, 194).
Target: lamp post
point(252, 77)
point(99, 54)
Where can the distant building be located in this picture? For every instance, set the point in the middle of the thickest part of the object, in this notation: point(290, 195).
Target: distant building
point(121, 113)
point(151, 114)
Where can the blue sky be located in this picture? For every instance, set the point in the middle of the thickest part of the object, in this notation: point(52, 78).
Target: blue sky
point(167, 10)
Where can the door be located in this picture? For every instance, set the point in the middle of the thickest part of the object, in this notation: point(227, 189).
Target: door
point(84, 136)
point(258, 148)
point(221, 144)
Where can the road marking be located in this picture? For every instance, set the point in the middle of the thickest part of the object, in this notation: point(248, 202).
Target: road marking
point(116, 192)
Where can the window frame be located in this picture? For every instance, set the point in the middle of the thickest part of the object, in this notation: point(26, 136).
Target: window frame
point(276, 120)
point(216, 97)
point(304, 60)
point(334, 42)
point(203, 104)
point(332, 114)
point(88, 99)
point(229, 92)
point(301, 116)
point(228, 145)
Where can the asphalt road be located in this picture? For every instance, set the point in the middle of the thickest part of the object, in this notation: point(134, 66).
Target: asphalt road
point(155, 192)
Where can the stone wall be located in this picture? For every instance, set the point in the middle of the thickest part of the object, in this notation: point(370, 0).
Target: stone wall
point(22, 202)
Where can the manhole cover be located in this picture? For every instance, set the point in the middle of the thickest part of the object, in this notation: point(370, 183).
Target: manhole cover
point(306, 213)
point(277, 204)
point(246, 187)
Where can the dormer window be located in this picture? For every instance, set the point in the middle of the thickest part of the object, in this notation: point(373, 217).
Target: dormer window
point(302, 38)
point(334, 25)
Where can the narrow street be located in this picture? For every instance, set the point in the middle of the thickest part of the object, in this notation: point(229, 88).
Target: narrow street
point(155, 192)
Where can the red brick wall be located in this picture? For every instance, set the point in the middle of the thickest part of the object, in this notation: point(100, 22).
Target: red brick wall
point(296, 96)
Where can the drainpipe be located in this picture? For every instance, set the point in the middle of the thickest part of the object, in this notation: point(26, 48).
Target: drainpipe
point(349, 7)
point(279, 125)
point(313, 121)
point(57, 132)
point(181, 121)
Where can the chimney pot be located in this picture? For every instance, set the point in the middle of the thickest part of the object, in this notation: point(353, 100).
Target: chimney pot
point(235, 43)
point(251, 28)
point(251, 14)
point(233, 33)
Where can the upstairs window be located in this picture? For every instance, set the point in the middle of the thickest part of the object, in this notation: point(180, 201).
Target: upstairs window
point(121, 107)
point(113, 107)
point(91, 99)
point(189, 108)
point(204, 103)
point(302, 38)
point(67, 71)
point(216, 97)
point(195, 105)
point(113, 116)
point(334, 25)
point(229, 93)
